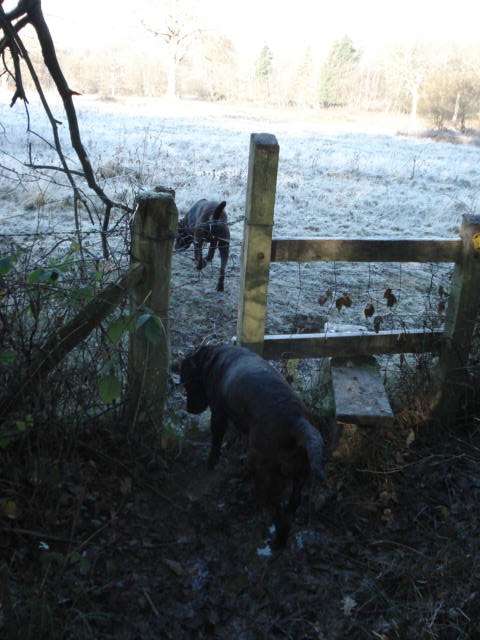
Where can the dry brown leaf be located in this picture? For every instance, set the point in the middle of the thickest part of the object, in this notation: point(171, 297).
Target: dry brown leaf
point(325, 297)
point(369, 310)
point(377, 323)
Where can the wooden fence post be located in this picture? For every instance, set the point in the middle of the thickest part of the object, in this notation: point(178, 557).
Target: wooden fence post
point(462, 311)
point(257, 240)
point(153, 234)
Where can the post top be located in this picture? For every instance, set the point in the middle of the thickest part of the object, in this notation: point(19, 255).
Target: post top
point(156, 193)
point(264, 139)
point(472, 219)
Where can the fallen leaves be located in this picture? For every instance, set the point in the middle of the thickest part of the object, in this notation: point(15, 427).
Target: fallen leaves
point(343, 301)
point(369, 310)
point(390, 297)
point(377, 323)
point(325, 297)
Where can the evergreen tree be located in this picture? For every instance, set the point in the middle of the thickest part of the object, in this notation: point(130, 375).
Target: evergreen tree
point(305, 86)
point(337, 73)
point(263, 67)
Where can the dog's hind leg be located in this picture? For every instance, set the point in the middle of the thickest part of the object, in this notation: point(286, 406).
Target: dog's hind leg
point(223, 248)
point(269, 489)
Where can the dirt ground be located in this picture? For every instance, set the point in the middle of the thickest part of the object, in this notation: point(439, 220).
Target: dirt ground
point(148, 544)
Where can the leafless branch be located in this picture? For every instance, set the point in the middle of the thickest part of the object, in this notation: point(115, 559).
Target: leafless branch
point(30, 12)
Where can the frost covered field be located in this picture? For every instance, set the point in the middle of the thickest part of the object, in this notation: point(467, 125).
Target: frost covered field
point(336, 178)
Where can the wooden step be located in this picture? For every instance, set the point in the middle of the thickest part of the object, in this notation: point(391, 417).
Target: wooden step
point(359, 395)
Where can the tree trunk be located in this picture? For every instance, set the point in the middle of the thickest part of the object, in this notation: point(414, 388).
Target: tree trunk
point(457, 107)
point(413, 114)
point(172, 76)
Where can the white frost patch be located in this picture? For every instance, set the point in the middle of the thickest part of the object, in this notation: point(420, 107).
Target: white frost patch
point(264, 551)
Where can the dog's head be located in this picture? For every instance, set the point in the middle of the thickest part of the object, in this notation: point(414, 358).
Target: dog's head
point(184, 236)
point(191, 378)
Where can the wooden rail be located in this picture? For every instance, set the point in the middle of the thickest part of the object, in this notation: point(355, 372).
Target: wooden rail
point(259, 249)
point(366, 250)
point(328, 345)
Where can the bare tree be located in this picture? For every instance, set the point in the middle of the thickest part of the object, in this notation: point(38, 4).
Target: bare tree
point(13, 51)
point(179, 32)
point(416, 66)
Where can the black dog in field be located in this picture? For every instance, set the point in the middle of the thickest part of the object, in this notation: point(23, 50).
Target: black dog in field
point(206, 222)
point(284, 448)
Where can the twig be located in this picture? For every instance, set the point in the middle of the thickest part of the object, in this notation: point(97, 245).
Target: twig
point(397, 544)
point(150, 602)
point(36, 534)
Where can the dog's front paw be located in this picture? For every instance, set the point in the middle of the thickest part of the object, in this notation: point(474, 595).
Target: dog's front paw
point(201, 263)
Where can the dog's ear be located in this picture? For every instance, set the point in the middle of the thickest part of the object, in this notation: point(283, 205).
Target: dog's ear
point(191, 378)
point(218, 210)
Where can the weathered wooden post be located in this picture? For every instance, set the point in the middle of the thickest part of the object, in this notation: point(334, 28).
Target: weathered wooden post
point(462, 311)
point(153, 234)
point(257, 240)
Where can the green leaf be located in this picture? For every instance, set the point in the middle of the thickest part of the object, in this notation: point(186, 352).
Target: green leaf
point(410, 437)
point(109, 388)
point(117, 328)
point(51, 275)
point(154, 330)
point(75, 557)
point(7, 357)
point(81, 294)
point(6, 264)
point(35, 276)
point(142, 319)
point(131, 325)
point(21, 425)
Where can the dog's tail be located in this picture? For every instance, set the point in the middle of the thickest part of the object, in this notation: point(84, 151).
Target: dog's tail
point(312, 440)
point(218, 210)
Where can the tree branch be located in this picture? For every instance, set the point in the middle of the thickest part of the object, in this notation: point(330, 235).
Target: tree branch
point(30, 12)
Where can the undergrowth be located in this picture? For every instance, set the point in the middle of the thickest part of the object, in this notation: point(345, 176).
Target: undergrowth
point(111, 532)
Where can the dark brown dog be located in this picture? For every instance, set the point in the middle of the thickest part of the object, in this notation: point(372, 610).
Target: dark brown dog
point(284, 448)
point(206, 222)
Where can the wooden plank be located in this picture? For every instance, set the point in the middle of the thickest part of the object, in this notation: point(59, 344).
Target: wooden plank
point(453, 385)
point(257, 240)
point(366, 250)
point(359, 395)
point(326, 345)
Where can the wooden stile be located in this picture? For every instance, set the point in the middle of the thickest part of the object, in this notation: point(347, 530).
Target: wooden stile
point(259, 249)
point(257, 240)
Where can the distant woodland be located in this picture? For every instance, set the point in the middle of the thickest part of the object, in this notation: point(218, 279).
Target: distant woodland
point(178, 59)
